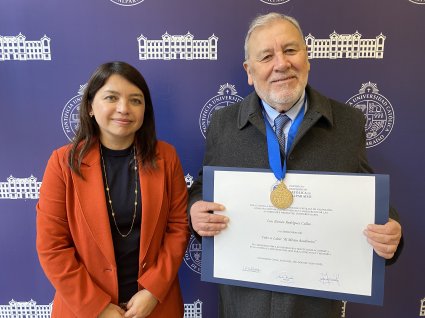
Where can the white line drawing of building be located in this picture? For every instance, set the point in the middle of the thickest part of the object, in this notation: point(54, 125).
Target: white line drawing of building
point(343, 308)
point(25, 309)
point(348, 46)
point(422, 308)
point(30, 309)
point(172, 47)
point(192, 310)
point(18, 48)
point(20, 188)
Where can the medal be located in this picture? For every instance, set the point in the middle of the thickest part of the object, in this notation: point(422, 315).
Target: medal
point(281, 197)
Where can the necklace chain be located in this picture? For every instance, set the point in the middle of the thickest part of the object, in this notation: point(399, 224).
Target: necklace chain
point(109, 195)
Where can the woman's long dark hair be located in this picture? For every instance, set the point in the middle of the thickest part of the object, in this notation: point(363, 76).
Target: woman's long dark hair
point(88, 130)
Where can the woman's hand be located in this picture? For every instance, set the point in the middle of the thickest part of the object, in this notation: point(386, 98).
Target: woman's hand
point(112, 311)
point(141, 304)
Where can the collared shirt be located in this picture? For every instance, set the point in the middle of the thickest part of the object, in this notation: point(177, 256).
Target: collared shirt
point(292, 113)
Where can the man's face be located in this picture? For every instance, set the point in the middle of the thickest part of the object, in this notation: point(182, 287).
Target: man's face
point(277, 64)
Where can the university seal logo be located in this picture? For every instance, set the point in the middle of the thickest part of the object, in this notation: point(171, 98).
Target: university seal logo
point(274, 2)
point(227, 95)
point(378, 111)
point(193, 255)
point(127, 3)
point(189, 180)
point(70, 114)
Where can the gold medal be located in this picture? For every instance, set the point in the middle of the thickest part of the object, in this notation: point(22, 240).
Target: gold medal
point(281, 197)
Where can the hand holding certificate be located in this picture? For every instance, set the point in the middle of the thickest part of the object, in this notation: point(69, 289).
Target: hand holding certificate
point(313, 247)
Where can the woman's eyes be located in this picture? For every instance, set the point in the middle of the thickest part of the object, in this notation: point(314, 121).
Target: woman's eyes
point(111, 98)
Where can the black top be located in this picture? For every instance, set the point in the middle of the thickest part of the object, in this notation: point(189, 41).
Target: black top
point(119, 166)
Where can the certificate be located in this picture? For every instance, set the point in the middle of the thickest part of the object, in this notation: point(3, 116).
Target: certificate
point(316, 247)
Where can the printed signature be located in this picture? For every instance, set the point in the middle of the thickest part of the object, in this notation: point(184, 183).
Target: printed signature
point(285, 278)
point(327, 279)
point(252, 269)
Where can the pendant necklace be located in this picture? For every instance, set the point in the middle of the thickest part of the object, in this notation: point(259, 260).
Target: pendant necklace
point(109, 195)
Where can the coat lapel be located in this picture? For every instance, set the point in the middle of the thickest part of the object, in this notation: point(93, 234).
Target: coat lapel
point(152, 184)
point(91, 197)
point(318, 107)
point(251, 111)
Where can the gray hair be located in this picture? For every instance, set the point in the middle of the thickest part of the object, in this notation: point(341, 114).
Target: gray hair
point(266, 19)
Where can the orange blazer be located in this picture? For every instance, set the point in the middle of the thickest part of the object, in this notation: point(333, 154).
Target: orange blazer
point(74, 241)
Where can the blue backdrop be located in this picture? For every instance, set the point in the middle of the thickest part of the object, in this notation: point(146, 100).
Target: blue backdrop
point(367, 53)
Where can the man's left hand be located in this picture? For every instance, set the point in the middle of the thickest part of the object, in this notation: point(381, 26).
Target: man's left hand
point(384, 238)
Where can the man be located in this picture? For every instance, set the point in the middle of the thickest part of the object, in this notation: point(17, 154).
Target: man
point(331, 137)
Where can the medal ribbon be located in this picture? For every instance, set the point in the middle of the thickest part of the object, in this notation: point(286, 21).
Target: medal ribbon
point(275, 162)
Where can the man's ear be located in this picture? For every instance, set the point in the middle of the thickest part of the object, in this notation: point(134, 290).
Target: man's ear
point(248, 73)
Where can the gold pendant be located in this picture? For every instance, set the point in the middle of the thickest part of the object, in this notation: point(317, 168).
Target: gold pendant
point(281, 197)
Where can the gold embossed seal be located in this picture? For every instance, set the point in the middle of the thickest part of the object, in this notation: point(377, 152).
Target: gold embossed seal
point(281, 197)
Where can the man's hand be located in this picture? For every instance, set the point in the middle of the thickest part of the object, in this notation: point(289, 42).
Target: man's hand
point(206, 223)
point(384, 238)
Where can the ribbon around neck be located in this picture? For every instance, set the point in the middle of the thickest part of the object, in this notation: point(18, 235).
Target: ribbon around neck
point(275, 162)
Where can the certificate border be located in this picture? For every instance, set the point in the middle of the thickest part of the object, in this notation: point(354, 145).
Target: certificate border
point(378, 265)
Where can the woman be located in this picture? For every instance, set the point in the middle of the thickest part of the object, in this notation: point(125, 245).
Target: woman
point(111, 219)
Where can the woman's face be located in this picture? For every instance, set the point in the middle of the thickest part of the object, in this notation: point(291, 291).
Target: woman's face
point(118, 109)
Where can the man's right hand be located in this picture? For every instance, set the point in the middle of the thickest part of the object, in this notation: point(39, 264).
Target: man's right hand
point(206, 223)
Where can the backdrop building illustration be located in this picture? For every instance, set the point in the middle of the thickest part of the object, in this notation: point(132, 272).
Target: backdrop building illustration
point(172, 47)
point(191, 54)
point(19, 48)
point(349, 46)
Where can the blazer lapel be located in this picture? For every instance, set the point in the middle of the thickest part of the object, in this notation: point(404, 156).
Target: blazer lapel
point(251, 111)
point(91, 196)
point(152, 184)
point(318, 107)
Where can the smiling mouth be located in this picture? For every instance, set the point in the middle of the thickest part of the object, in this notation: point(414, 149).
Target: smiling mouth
point(122, 121)
point(282, 80)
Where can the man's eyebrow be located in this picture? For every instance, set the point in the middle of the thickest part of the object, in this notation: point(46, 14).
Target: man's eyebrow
point(293, 43)
point(263, 51)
